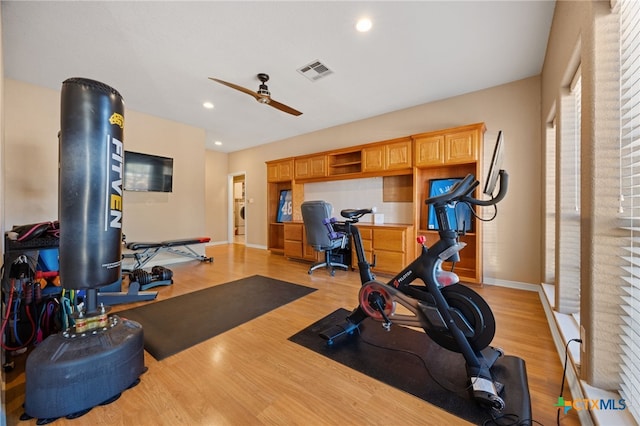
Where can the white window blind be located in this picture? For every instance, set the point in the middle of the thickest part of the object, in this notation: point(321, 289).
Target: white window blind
point(567, 289)
point(629, 13)
point(550, 205)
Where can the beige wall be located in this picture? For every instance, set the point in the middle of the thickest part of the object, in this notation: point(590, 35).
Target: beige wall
point(216, 188)
point(512, 241)
point(32, 121)
point(198, 204)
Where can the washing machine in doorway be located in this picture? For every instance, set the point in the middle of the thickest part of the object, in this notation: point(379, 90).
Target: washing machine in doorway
point(239, 217)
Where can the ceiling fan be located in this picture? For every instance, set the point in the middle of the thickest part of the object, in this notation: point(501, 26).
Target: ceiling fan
point(262, 95)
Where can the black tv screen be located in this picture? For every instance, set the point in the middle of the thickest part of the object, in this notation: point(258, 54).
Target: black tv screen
point(494, 167)
point(144, 172)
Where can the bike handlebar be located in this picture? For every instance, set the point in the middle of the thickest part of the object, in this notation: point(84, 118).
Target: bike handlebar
point(462, 190)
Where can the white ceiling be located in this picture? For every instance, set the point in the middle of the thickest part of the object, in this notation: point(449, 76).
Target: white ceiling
point(159, 56)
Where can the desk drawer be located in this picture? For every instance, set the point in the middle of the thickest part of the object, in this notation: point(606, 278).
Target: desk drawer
point(293, 231)
point(293, 249)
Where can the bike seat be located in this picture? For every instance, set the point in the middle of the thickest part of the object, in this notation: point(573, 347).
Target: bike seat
point(349, 213)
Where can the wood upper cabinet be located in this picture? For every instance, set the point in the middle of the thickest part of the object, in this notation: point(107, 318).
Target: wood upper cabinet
point(452, 146)
point(398, 154)
point(461, 147)
point(310, 167)
point(429, 150)
point(279, 171)
point(392, 155)
point(373, 159)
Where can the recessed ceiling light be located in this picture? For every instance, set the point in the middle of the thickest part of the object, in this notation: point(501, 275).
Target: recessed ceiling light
point(208, 105)
point(364, 25)
point(218, 143)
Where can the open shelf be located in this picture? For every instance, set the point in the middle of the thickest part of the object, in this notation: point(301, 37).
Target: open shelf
point(345, 163)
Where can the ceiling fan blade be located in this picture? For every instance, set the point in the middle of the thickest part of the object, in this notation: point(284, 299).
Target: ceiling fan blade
point(283, 107)
point(235, 86)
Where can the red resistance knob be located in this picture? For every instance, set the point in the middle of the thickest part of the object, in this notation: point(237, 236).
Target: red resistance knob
point(421, 239)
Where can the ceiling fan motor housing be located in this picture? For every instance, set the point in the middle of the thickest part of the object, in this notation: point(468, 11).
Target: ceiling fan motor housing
point(263, 90)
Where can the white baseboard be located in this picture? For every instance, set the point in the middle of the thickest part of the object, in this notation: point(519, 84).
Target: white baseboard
point(511, 284)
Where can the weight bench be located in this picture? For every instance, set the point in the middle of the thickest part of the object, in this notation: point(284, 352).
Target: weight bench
point(144, 252)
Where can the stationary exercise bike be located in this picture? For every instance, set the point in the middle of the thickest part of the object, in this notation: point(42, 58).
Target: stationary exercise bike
point(452, 315)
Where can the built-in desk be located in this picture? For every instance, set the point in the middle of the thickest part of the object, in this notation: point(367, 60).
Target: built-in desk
point(408, 166)
point(392, 245)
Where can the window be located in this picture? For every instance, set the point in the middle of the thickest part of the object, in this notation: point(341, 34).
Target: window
point(550, 205)
point(629, 13)
point(567, 262)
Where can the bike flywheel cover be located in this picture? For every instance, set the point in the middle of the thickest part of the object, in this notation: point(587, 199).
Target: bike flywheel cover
point(375, 291)
point(477, 314)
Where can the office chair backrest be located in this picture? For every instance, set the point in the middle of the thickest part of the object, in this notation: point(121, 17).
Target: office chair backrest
point(313, 214)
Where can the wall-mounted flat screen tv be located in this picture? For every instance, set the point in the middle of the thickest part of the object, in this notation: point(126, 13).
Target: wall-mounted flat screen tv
point(150, 173)
point(459, 214)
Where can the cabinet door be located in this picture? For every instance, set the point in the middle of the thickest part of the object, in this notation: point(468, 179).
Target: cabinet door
point(390, 262)
point(373, 159)
point(279, 171)
point(285, 170)
point(311, 167)
point(398, 155)
point(461, 147)
point(272, 172)
point(430, 151)
point(308, 253)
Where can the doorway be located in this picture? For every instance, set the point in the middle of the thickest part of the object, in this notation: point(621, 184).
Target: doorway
point(237, 226)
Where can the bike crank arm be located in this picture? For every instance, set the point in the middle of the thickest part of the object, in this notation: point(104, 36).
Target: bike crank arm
point(379, 300)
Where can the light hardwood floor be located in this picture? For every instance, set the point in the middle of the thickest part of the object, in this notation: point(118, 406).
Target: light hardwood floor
point(252, 375)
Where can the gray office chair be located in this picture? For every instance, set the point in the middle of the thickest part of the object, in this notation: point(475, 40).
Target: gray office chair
point(321, 235)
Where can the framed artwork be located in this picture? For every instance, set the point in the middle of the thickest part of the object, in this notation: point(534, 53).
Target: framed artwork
point(460, 217)
point(285, 206)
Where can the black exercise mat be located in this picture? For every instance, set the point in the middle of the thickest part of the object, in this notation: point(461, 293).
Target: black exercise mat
point(418, 366)
point(175, 324)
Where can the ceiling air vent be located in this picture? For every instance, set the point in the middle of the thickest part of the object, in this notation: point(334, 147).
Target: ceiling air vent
point(315, 71)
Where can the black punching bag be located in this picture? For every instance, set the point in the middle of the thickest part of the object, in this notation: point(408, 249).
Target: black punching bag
point(90, 191)
point(70, 372)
